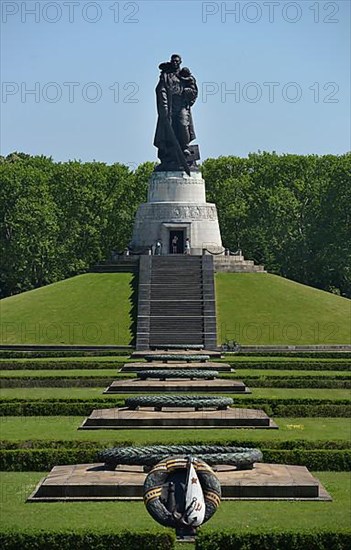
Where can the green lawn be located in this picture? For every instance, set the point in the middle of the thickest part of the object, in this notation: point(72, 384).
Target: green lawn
point(51, 428)
point(91, 309)
point(258, 308)
point(246, 516)
point(253, 308)
point(92, 393)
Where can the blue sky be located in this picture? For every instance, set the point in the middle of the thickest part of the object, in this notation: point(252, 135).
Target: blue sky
point(78, 55)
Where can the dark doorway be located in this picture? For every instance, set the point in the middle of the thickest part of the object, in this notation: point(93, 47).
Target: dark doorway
point(176, 242)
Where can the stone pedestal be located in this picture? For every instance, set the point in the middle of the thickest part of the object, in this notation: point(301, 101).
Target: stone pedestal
point(177, 206)
point(148, 418)
point(93, 482)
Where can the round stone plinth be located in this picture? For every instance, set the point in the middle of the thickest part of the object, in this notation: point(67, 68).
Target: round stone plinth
point(177, 205)
point(177, 187)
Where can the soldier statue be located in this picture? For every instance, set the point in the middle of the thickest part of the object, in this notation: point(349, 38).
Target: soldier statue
point(176, 93)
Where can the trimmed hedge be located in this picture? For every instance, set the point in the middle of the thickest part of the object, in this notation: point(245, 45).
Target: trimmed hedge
point(319, 354)
point(41, 407)
point(61, 381)
point(82, 407)
point(282, 365)
point(9, 354)
point(38, 460)
point(319, 540)
point(294, 382)
point(60, 365)
point(40, 540)
point(289, 444)
point(55, 382)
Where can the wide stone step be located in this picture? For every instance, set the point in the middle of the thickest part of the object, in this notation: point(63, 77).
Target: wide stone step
point(168, 290)
point(176, 294)
point(181, 338)
point(173, 313)
point(180, 330)
point(177, 352)
point(175, 365)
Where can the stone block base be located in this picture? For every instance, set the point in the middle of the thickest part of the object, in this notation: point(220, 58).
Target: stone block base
point(175, 365)
point(175, 418)
point(175, 385)
point(93, 482)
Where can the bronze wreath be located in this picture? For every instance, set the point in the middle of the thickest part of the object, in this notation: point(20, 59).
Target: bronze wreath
point(158, 477)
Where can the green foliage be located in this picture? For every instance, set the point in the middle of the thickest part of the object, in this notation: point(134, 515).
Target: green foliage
point(9, 354)
point(295, 382)
point(313, 540)
point(38, 460)
point(41, 540)
point(56, 380)
point(344, 355)
point(58, 219)
point(61, 365)
point(289, 212)
point(280, 365)
point(273, 407)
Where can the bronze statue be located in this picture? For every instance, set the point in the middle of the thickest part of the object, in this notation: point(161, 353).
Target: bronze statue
point(176, 93)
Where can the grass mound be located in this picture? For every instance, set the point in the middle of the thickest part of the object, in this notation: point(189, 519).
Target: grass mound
point(264, 309)
point(99, 309)
point(90, 309)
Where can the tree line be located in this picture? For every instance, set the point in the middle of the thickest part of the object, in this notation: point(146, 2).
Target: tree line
point(290, 212)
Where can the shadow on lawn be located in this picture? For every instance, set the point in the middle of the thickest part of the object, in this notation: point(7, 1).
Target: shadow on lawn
point(134, 284)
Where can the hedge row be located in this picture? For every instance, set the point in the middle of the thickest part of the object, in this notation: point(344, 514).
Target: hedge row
point(279, 407)
point(55, 382)
point(302, 354)
point(38, 460)
point(96, 382)
point(319, 540)
point(307, 382)
point(279, 365)
point(60, 365)
point(282, 365)
point(8, 354)
point(40, 540)
point(95, 446)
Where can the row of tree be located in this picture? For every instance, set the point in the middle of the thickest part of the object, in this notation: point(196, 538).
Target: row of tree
point(289, 212)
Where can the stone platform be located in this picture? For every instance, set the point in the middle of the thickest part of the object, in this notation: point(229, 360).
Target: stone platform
point(176, 417)
point(177, 385)
point(138, 354)
point(93, 482)
point(171, 365)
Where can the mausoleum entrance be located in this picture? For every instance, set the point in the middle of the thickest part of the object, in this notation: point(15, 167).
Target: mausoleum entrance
point(176, 241)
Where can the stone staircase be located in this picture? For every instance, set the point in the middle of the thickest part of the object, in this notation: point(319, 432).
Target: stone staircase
point(176, 301)
point(236, 264)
